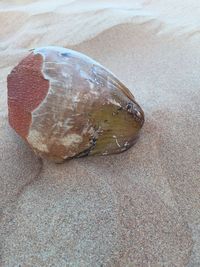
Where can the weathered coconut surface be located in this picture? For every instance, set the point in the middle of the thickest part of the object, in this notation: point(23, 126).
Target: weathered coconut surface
point(64, 104)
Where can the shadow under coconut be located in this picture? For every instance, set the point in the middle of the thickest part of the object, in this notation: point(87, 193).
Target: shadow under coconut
point(19, 166)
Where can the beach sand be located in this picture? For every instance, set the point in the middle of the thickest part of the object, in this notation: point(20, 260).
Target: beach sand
point(140, 208)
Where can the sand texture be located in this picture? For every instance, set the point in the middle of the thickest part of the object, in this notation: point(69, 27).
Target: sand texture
point(140, 208)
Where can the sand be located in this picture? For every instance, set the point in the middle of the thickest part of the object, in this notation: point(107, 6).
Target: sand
point(136, 209)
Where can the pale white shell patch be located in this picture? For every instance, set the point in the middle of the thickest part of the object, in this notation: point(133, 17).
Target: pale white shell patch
point(70, 140)
point(37, 141)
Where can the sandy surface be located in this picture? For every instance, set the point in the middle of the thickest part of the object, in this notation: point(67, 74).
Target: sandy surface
point(137, 209)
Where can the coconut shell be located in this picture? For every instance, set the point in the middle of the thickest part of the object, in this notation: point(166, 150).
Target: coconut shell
point(66, 105)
